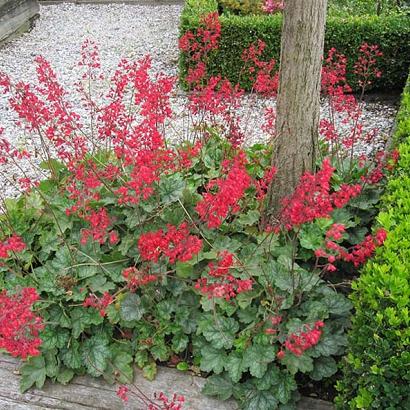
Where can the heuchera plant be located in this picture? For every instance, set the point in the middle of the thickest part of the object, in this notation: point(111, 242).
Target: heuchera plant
point(127, 249)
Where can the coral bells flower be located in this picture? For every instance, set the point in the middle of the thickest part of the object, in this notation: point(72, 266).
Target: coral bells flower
point(312, 198)
point(364, 250)
point(262, 184)
point(297, 343)
point(366, 65)
point(336, 232)
point(98, 303)
point(122, 393)
point(176, 244)
point(99, 221)
point(10, 245)
point(165, 403)
point(215, 207)
point(136, 278)
point(19, 326)
point(221, 283)
point(273, 6)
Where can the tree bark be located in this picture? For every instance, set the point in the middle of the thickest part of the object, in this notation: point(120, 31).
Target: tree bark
point(298, 103)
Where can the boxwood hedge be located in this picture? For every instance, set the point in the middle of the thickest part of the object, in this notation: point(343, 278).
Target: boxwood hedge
point(344, 32)
point(376, 371)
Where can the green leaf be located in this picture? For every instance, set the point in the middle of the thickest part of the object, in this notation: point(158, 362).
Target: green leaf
point(221, 332)
point(184, 269)
point(284, 387)
point(51, 363)
point(119, 369)
point(250, 218)
point(218, 386)
point(95, 353)
point(33, 372)
point(65, 375)
point(160, 351)
point(311, 236)
point(86, 271)
point(337, 304)
point(288, 281)
point(234, 366)
point(294, 364)
point(212, 360)
point(71, 355)
point(260, 400)
point(83, 318)
point(329, 344)
point(141, 358)
point(54, 337)
point(248, 315)
point(223, 243)
point(271, 377)
point(257, 357)
point(171, 188)
point(323, 367)
point(150, 371)
point(131, 308)
point(183, 366)
point(165, 308)
point(179, 342)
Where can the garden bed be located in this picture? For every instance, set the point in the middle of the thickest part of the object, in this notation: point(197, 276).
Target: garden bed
point(129, 247)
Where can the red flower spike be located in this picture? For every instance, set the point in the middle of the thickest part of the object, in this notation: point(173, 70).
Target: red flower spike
point(19, 326)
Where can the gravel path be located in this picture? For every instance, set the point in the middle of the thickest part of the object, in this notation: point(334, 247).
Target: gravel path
point(121, 31)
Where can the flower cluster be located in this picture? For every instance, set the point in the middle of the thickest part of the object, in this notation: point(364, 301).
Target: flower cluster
point(263, 184)
point(366, 65)
point(99, 303)
point(99, 224)
point(159, 402)
point(357, 255)
point(262, 73)
point(273, 6)
point(215, 207)
point(313, 198)
point(274, 321)
point(122, 392)
point(223, 284)
point(136, 278)
point(176, 244)
point(308, 337)
point(176, 402)
point(10, 245)
point(19, 326)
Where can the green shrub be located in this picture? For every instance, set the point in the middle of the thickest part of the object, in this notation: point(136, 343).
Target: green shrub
point(377, 367)
point(345, 32)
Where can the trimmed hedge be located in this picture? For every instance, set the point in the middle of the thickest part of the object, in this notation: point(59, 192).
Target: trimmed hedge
point(391, 32)
point(376, 371)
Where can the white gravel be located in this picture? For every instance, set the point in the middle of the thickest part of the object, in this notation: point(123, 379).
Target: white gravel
point(121, 31)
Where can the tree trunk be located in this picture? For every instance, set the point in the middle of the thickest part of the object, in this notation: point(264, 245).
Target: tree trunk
point(298, 103)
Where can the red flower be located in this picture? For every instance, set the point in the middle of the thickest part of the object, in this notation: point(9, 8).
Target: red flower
point(222, 283)
point(176, 244)
point(12, 244)
point(297, 343)
point(122, 393)
point(19, 326)
point(136, 278)
point(215, 207)
point(98, 303)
